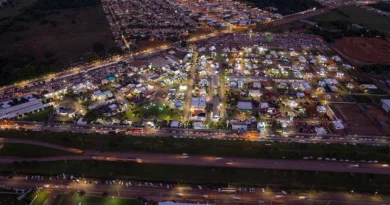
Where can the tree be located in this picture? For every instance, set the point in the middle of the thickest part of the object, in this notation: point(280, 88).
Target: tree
point(98, 48)
point(81, 193)
point(105, 194)
point(91, 116)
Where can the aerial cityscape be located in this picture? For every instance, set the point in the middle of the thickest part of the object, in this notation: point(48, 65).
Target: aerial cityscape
point(180, 102)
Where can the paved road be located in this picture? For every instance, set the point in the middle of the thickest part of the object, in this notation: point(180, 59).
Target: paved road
point(42, 144)
point(217, 134)
point(175, 159)
point(195, 195)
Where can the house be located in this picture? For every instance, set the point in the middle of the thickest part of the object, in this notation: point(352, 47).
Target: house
point(369, 86)
point(267, 85)
point(198, 125)
point(320, 131)
point(338, 125)
point(256, 84)
point(242, 126)
point(264, 105)
point(244, 105)
point(175, 124)
point(321, 109)
point(385, 103)
point(254, 93)
point(198, 103)
point(99, 95)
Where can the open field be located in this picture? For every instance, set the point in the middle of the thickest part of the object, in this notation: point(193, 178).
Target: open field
point(29, 151)
point(101, 201)
point(61, 199)
point(66, 40)
point(284, 7)
point(246, 149)
point(47, 38)
point(9, 12)
point(378, 116)
point(355, 120)
point(40, 116)
point(41, 198)
point(369, 50)
point(302, 180)
point(356, 15)
point(8, 199)
point(381, 6)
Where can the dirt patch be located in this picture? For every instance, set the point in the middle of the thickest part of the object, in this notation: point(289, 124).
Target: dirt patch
point(354, 120)
point(368, 50)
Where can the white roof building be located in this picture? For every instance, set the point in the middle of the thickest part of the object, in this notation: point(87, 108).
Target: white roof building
point(320, 130)
point(198, 103)
point(264, 105)
point(31, 106)
point(385, 103)
point(370, 86)
point(321, 109)
point(338, 125)
point(244, 105)
point(175, 123)
point(254, 93)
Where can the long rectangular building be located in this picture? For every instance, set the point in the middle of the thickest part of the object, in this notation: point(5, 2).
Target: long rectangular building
point(31, 106)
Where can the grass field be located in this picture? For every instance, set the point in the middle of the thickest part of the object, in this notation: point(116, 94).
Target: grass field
point(10, 199)
point(40, 116)
point(101, 201)
point(356, 15)
point(11, 11)
point(302, 180)
point(41, 198)
point(29, 151)
point(205, 147)
point(61, 199)
point(50, 36)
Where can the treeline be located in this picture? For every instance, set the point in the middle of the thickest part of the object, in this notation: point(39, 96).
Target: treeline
point(381, 6)
point(24, 66)
point(65, 4)
point(39, 10)
point(332, 30)
point(285, 7)
point(376, 68)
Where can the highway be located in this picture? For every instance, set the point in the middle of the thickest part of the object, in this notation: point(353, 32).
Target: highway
point(213, 161)
point(194, 194)
point(215, 134)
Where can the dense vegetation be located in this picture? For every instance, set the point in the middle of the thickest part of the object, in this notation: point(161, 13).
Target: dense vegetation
point(381, 6)
point(336, 29)
point(376, 68)
point(25, 66)
point(17, 65)
point(339, 22)
point(285, 7)
point(65, 4)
